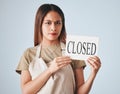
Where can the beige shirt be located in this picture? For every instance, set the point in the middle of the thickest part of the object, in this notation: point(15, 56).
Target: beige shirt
point(62, 82)
point(48, 54)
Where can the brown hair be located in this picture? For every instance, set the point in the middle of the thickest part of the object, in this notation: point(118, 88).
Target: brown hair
point(41, 13)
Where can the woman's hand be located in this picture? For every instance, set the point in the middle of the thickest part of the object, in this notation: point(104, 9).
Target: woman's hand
point(95, 63)
point(58, 63)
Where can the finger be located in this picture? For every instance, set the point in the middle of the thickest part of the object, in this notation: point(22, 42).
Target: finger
point(96, 60)
point(63, 59)
point(93, 63)
point(63, 62)
point(62, 65)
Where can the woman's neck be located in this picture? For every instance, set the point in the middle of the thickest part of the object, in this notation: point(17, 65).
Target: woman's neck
point(48, 43)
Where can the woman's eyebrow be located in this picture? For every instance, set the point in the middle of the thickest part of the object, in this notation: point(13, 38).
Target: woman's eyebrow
point(52, 21)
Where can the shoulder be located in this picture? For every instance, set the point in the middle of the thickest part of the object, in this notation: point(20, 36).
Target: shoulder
point(30, 53)
point(26, 58)
point(31, 49)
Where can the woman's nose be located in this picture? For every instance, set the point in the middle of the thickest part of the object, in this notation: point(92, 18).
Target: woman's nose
point(53, 27)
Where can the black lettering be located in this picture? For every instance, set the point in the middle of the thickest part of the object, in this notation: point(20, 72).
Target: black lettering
point(88, 48)
point(68, 47)
point(93, 49)
point(73, 50)
point(84, 49)
point(79, 47)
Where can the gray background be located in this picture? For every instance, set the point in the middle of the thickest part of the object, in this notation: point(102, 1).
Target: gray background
point(83, 17)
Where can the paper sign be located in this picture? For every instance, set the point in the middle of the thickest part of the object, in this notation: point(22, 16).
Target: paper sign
point(81, 47)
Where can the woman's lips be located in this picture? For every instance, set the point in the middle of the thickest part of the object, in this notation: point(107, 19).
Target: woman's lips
point(53, 34)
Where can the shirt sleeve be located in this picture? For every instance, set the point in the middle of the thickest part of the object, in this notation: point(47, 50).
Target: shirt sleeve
point(23, 63)
point(78, 64)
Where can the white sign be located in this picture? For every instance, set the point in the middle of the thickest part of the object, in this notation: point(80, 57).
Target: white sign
point(81, 47)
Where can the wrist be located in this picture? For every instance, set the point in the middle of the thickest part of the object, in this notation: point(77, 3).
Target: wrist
point(50, 71)
point(93, 74)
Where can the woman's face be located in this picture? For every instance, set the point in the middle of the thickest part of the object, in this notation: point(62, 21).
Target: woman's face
point(51, 26)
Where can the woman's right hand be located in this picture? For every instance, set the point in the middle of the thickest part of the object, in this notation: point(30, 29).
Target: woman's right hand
point(58, 63)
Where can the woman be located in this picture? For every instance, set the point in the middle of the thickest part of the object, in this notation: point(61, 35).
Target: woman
point(44, 68)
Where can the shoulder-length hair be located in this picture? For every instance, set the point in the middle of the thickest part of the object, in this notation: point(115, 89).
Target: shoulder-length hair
point(41, 13)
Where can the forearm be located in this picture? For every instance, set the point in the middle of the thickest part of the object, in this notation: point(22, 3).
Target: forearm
point(33, 86)
point(86, 87)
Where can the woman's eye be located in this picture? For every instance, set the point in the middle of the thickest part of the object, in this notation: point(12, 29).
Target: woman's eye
point(58, 22)
point(48, 23)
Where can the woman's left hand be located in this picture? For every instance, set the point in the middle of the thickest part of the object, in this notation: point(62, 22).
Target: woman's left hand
point(95, 63)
